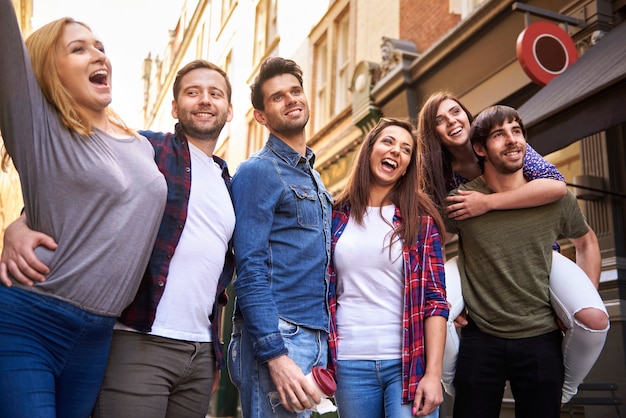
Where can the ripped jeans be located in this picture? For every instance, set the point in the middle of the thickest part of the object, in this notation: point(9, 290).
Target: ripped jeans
point(258, 395)
point(570, 291)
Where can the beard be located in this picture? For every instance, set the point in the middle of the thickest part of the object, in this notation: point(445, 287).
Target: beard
point(504, 166)
point(209, 130)
point(288, 126)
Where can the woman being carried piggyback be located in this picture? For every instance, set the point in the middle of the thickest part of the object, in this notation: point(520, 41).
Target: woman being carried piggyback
point(443, 129)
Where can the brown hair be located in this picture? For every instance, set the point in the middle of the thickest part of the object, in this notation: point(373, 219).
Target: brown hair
point(272, 67)
point(487, 120)
point(407, 194)
point(438, 175)
point(194, 65)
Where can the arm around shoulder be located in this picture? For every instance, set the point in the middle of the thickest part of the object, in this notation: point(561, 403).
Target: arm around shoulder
point(537, 192)
point(534, 193)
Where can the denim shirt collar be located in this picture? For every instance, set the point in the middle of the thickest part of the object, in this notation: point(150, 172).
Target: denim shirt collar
point(288, 154)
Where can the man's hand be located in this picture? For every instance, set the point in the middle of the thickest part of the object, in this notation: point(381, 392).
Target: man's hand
point(467, 204)
point(18, 257)
point(294, 389)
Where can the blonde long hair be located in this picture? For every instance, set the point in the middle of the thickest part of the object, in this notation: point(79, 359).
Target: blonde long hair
point(43, 47)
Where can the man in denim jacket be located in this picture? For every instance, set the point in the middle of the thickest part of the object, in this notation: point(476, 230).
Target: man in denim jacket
point(282, 247)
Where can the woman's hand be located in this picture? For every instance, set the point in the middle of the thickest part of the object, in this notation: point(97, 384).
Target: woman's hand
point(428, 396)
point(467, 204)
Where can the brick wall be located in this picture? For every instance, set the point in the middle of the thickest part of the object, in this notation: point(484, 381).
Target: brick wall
point(425, 21)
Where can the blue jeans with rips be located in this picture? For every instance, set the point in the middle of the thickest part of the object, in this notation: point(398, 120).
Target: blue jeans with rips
point(259, 398)
point(52, 356)
point(373, 389)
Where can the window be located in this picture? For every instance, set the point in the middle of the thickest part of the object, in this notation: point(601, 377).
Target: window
point(256, 135)
point(322, 87)
point(227, 7)
point(202, 41)
point(228, 68)
point(265, 28)
point(332, 65)
point(342, 84)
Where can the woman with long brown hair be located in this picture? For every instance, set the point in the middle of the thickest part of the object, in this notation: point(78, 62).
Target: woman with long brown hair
point(387, 293)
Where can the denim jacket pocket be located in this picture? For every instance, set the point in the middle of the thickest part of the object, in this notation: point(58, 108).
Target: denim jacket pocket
point(329, 197)
point(307, 205)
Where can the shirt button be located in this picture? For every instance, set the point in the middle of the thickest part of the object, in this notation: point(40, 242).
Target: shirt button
point(187, 169)
point(180, 226)
point(160, 283)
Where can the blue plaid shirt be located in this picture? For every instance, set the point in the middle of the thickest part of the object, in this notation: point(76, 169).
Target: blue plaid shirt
point(174, 161)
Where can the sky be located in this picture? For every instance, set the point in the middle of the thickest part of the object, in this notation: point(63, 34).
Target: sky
point(129, 29)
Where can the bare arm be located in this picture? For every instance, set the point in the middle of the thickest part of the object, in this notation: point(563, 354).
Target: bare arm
point(468, 204)
point(18, 257)
point(588, 256)
point(429, 394)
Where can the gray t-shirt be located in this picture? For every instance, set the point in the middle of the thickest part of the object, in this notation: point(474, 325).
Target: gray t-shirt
point(99, 197)
point(504, 261)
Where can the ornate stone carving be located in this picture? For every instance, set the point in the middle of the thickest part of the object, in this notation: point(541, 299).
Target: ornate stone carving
point(395, 52)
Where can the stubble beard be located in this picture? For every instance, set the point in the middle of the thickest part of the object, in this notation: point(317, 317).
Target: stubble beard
point(292, 126)
point(502, 166)
point(205, 132)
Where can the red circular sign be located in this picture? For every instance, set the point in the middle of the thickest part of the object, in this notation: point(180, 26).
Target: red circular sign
point(544, 51)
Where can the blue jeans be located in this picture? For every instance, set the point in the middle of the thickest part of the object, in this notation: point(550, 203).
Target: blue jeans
point(259, 398)
point(52, 356)
point(373, 389)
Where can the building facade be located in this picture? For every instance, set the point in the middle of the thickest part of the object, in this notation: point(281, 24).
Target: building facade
point(363, 59)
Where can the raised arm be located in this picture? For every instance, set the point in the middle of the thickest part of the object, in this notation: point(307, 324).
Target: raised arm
point(18, 256)
point(546, 185)
point(19, 88)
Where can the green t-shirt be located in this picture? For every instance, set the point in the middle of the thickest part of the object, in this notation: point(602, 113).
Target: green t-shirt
point(505, 258)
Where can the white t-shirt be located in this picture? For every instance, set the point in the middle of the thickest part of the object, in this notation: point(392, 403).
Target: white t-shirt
point(183, 311)
point(370, 288)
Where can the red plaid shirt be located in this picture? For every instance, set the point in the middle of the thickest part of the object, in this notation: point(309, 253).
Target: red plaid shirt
point(424, 295)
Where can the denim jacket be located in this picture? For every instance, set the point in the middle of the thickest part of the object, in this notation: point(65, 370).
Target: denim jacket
point(282, 244)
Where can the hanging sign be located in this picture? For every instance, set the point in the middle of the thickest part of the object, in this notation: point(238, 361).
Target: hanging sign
point(544, 51)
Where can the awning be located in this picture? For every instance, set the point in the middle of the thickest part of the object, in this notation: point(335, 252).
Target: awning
point(588, 97)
